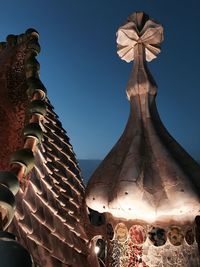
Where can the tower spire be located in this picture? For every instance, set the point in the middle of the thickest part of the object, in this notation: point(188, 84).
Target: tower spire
point(143, 168)
point(148, 186)
point(139, 40)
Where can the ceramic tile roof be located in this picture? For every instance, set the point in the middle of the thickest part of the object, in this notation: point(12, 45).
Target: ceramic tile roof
point(50, 220)
point(50, 210)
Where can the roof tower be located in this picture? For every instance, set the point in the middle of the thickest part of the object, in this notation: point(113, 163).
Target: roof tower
point(147, 181)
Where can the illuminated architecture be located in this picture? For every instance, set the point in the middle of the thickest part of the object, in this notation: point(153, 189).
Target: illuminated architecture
point(51, 219)
point(146, 189)
point(147, 186)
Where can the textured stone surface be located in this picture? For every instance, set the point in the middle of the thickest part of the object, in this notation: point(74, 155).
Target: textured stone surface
point(13, 102)
point(168, 255)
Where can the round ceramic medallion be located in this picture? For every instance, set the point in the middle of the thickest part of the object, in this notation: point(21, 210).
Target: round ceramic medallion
point(175, 235)
point(121, 232)
point(137, 234)
point(157, 236)
point(189, 236)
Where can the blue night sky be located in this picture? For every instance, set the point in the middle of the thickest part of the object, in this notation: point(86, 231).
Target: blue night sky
point(85, 78)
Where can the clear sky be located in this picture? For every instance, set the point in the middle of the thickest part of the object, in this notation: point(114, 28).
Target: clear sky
point(85, 78)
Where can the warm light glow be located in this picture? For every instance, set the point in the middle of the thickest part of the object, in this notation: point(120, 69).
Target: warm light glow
point(134, 207)
point(96, 249)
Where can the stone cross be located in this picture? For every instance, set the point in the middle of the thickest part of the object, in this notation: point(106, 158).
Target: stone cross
point(139, 40)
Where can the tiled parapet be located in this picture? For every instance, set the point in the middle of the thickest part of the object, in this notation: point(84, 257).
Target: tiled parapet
point(142, 245)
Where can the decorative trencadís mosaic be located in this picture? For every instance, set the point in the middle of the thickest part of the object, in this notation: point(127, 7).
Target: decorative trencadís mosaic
point(157, 236)
point(150, 246)
point(121, 232)
point(139, 234)
point(175, 235)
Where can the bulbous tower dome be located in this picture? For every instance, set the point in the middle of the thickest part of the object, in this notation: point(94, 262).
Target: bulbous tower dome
point(147, 174)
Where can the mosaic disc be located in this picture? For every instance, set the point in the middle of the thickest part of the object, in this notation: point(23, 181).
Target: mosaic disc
point(157, 236)
point(175, 236)
point(137, 234)
point(121, 232)
point(189, 236)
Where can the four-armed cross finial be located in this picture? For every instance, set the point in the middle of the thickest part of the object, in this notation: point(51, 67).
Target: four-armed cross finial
point(139, 40)
point(139, 30)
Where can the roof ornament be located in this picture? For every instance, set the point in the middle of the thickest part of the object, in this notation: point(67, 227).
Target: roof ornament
point(139, 40)
point(147, 186)
point(146, 169)
point(139, 31)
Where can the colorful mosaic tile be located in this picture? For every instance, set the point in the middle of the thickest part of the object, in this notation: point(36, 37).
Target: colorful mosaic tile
point(121, 232)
